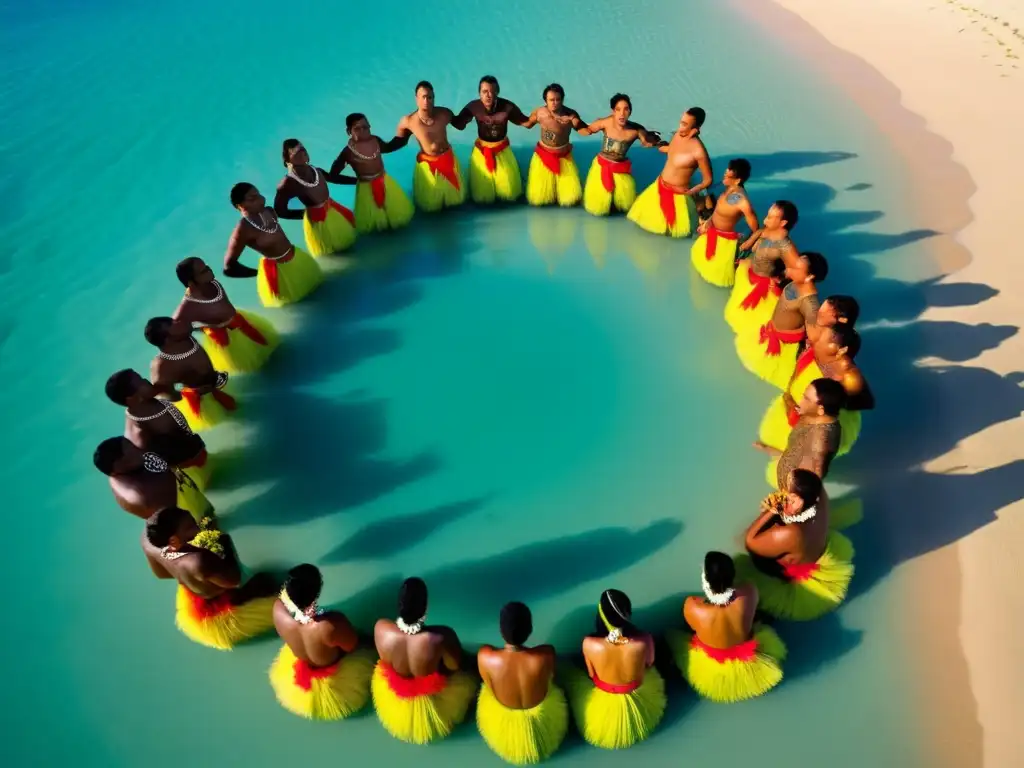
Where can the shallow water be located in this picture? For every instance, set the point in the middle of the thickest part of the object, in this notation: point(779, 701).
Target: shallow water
point(513, 404)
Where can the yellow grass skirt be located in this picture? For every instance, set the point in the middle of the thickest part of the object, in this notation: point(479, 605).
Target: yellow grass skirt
point(615, 720)
point(494, 173)
point(649, 211)
point(420, 710)
point(285, 282)
point(381, 204)
point(742, 311)
point(733, 674)
point(713, 255)
point(242, 346)
point(523, 736)
point(768, 353)
point(546, 187)
point(326, 693)
point(218, 623)
point(437, 182)
point(334, 233)
point(190, 496)
point(597, 200)
point(205, 411)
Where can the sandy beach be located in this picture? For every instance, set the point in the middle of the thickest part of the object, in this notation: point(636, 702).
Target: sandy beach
point(945, 81)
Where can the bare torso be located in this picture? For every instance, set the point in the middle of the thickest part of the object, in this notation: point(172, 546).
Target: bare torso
point(493, 125)
point(196, 570)
point(365, 157)
point(683, 158)
point(623, 664)
point(143, 493)
point(519, 677)
point(555, 128)
point(723, 626)
point(215, 311)
point(728, 212)
point(418, 655)
point(796, 309)
point(158, 426)
point(297, 186)
point(194, 371)
point(312, 642)
point(264, 235)
point(431, 132)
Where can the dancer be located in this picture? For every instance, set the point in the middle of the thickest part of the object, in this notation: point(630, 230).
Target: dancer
point(756, 287)
point(493, 170)
point(320, 673)
point(770, 352)
point(214, 608)
point(521, 713)
point(156, 425)
point(418, 689)
point(144, 483)
point(802, 568)
point(236, 341)
point(381, 204)
point(725, 656)
point(553, 176)
point(620, 699)
point(668, 206)
point(835, 310)
point(815, 438)
point(610, 181)
point(182, 361)
point(714, 253)
point(437, 181)
point(328, 226)
point(286, 273)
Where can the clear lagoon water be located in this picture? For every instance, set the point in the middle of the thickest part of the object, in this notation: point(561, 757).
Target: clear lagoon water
point(513, 404)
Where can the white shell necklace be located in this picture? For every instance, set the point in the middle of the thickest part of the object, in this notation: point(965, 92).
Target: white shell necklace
point(360, 156)
point(411, 629)
point(269, 229)
point(166, 554)
point(214, 300)
point(153, 463)
point(303, 182)
point(301, 616)
point(803, 517)
point(171, 410)
point(716, 598)
point(180, 355)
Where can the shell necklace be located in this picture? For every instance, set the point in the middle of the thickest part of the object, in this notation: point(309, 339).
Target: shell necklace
point(411, 629)
point(180, 355)
point(360, 156)
point(269, 229)
point(169, 409)
point(214, 300)
point(303, 182)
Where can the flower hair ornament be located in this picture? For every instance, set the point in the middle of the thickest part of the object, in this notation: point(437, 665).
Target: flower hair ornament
point(716, 598)
point(803, 517)
point(614, 633)
point(411, 629)
point(301, 616)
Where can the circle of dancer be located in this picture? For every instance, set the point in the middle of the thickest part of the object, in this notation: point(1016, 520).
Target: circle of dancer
point(796, 566)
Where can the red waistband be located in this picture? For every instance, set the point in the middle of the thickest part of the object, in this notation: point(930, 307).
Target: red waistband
point(800, 572)
point(305, 674)
point(491, 152)
point(609, 688)
point(412, 687)
point(194, 400)
point(442, 165)
point(609, 168)
point(203, 608)
point(762, 286)
point(667, 201)
point(552, 157)
point(742, 652)
point(711, 240)
point(319, 214)
point(774, 338)
point(220, 337)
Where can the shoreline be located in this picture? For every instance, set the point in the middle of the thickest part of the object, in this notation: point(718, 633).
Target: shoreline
point(937, 78)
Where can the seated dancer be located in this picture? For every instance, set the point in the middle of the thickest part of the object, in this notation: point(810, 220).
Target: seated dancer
point(553, 176)
point(668, 206)
point(158, 426)
point(725, 656)
point(418, 690)
point(521, 713)
point(610, 181)
point(214, 608)
point(381, 203)
point(815, 437)
point(493, 170)
point(756, 288)
point(771, 351)
point(236, 341)
point(620, 699)
point(437, 179)
point(320, 673)
point(144, 483)
point(714, 253)
point(800, 566)
point(182, 361)
point(328, 226)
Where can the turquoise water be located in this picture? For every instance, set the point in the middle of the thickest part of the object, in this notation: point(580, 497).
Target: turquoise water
point(515, 404)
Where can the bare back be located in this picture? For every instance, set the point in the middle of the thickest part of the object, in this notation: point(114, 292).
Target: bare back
point(418, 655)
point(520, 677)
point(319, 643)
point(203, 313)
point(143, 493)
point(723, 626)
point(195, 371)
point(684, 157)
point(623, 664)
point(201, 572)
point(159, 427)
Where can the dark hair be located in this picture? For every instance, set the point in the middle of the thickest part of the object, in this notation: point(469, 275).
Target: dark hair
point(618, 609)
point(108, 453)
point(412, 600)
point(698, 115)
point(806, 485)
point(817, 266)
point(831, 395)
point(846, 336)
point(790, 215)
point(621, 97)
point(120, 386)
point(719, 570)
point(186, 269)
point(239, 191)
point(846, 307)
point(490, 80)
point(164, 524)
point(352, 119)
point(303, 585)
point(423, 84)
point(740, 168)
point(286, 147)
point(706, 206)
point(516, 623)
point(157, 330)
point(553, 87)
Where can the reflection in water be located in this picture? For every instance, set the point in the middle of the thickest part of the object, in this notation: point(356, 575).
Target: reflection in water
point(552, 232)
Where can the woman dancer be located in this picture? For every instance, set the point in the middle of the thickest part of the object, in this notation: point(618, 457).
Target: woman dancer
point(610, 182)
point(328, 226)
point(381, 203)
point(620, 699)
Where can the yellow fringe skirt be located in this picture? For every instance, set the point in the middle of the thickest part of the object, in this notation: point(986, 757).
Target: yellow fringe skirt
point(615, 720)
point(769, 353)
point(420, 710)
point(610, 183)
point(381, 204)
point(190, 496)
point(713, 255)
point(241, 346)
point(733, 674)
point(523, 736)
point(207, 410)
point(330, 228)
point(662, 210)
point(806, 592)
point(281, 282)
point(752, 301)
point(494, 173)
point(324, 693)
point(553, 178)
point(219, 624)
point(437, 182)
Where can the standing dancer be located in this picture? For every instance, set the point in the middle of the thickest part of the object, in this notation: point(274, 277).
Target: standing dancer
point(714, 253)
point(554, 177)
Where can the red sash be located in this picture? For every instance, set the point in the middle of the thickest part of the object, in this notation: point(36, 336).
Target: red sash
point(776, 338)
point(221, 338)
point(800, 572)
point(194, 399)
point(412, 687)
point(200, 608)
point(378, 189)
point(762, 286)
point(551, 158)
point(609, 688)
point(305, 674)
point(742, 652)
point(318, 215)
point(667, 200)
point(443, 164)
point(609, 168)
point(270, 271)
point(711, 243)
point(491, 152)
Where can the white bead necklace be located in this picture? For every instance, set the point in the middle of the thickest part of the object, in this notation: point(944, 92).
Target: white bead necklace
point(303, 182)
point(410, 629)
point(214, 300)
point(171, 410)
point(180, 355)
point(360, 156)
point(269, 229)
